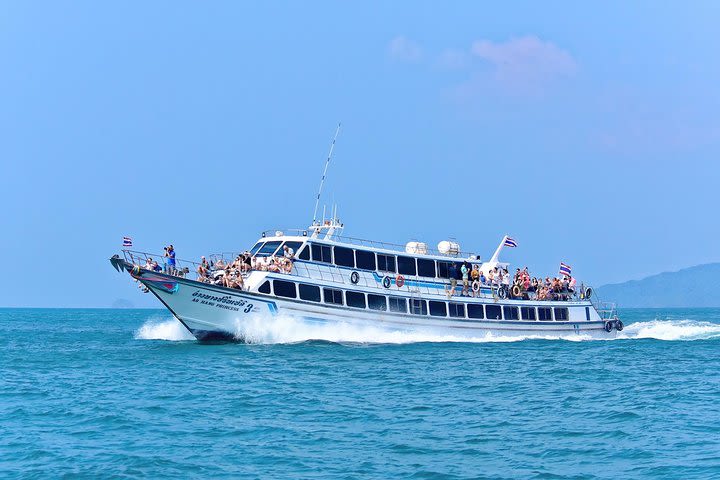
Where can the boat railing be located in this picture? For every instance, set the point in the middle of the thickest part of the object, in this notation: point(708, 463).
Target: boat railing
point(360, 242)
point(141, 259)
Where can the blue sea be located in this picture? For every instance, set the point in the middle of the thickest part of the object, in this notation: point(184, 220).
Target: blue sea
point(129, 394)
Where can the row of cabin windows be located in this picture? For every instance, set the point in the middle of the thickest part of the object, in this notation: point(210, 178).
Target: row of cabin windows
point(362, 259)
point(435, 308)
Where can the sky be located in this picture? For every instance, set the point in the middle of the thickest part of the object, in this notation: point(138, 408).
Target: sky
point(589, 132)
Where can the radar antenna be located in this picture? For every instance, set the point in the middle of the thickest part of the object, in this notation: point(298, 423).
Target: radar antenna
point(322, 180)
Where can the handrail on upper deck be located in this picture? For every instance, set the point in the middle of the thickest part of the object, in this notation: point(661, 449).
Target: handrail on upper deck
point(395, 247)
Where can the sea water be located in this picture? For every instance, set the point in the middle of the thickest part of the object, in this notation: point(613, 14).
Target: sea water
point(129, 393)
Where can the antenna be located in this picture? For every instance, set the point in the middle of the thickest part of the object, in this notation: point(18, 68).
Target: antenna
point(322, 180)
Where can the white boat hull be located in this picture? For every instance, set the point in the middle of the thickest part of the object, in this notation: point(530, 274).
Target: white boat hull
point(214, 313)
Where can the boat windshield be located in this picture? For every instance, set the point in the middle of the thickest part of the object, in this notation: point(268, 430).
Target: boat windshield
point(268, 249)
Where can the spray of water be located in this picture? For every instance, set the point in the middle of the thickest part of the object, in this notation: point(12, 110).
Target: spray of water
point(163, 330)
point(283, 329)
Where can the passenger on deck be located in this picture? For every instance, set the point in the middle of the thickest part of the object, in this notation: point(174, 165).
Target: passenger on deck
point(202, 270)
point(464, 271)
point(483, 279)
point(170, 254)
point(571, 285)
point(452, 273)
point(148, 264)
point(288, 253)
point(246, 264)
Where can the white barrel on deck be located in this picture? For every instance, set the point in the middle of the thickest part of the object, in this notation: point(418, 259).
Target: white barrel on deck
point(447, 247)
point(416, 248)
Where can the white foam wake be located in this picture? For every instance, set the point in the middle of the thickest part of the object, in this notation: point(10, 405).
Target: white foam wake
point(671, 330)
point(283, 329)
point(287, 329)
point(163, 330)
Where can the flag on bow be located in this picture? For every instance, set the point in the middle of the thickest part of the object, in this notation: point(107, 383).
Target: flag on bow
point(127, 242)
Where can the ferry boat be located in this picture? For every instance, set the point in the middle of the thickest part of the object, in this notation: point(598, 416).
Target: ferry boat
point(335, 279)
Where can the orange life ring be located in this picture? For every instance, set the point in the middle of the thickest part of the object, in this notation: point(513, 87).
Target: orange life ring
point(399, 281)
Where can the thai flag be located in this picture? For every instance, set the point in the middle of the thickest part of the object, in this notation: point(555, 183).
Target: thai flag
point(509, 242)
point(565, 269)
point(127, 242)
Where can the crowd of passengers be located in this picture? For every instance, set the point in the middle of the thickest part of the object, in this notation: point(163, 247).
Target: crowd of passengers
point(230, 274)
point(520, 286)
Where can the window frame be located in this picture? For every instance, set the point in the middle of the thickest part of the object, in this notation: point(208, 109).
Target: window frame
point(422, 305)
point(323, 249)
point(386, 263)
point(514, 312)
point(525, 317)
point(406, 271)
point(425, 262)
point(277, 281)
point(397, 300)
point(352, 293)
point(487, 315)
point(315, 299)
point(455, 305)
point(544, 309)
point(343, 251)
point(370, 304)
point(433, 305)
point(565, 311)
point(367, 254)
point(473, 306)
point(334, 291)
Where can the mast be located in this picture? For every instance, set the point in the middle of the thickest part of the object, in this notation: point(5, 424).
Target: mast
point(322, 180)
point(495, 256)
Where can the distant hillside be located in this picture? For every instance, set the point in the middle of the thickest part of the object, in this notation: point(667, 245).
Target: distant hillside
point(690, 287)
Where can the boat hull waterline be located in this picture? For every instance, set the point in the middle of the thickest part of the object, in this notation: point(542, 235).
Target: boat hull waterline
point(214, 313)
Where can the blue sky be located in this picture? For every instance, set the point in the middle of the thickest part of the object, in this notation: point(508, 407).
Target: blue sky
point(590, 133)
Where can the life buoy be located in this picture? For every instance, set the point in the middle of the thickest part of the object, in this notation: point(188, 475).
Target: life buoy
point(516, 291)
point(354, 277)
point(608, 326)
point(136, 270)
point(476, 286)
point(399, 281)
point(387, 282)
point(619, 325)
point(588, 292)
point(502, 292)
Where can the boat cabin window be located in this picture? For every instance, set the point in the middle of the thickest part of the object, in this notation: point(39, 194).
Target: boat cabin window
point(475, 311)
point(377, 302)
point(544, 313)
point(397, 304)
point(511, 313)
point(344, 257)
point(265, 287)
point(425, 267)
point(587, 313)
point(406, 266)
point(268, 249)
point(304, 253)
point(444, 269)
point(493, 312)
point(294, 245)
point(321, 253)
point(365, 260)
point(355, 299)
point(333, 296)
point(309, 292)
point(386, 263)
point(456, 310)
point(284, 289)
point(561, 313)
point(438, 309)
point(527, 313)
point(257, 246)
point(418, 307)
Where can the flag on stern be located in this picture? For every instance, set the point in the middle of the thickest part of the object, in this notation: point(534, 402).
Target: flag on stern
point(565, 269)
point(127, 242)
point(510, 242)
